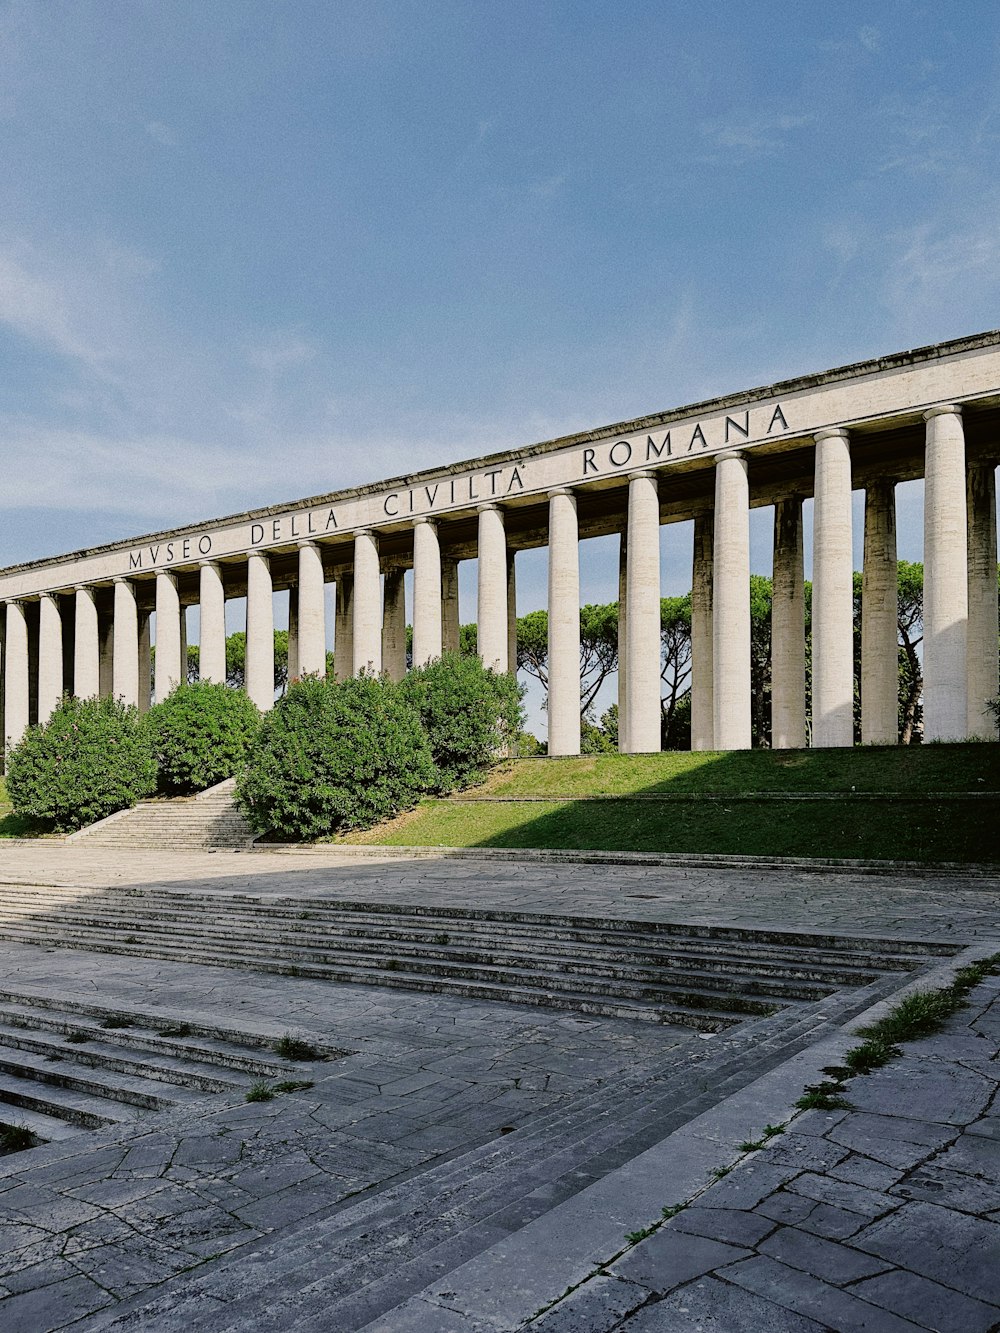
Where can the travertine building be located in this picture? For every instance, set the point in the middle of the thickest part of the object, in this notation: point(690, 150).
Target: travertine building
point(82, 622)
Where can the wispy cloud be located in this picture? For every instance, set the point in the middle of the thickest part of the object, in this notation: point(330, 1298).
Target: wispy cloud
point(753, 135)
point(162, 133)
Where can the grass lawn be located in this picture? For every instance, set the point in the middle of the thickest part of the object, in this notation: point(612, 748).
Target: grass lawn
point(905, 768)
point(896, 828)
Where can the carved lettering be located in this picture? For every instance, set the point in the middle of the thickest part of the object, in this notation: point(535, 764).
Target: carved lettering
point(493, 481)
point(170, 552)
point(204, 544)
point(473, 493)
point(777, 415)
point(699, 434)
point(515, 480)
point(744, 430)
point(295, 530)
point(275, 529)
point(431, 494)
point(588, 461)
point(311, 527)
point(389, 499)
point(186, 548)
point(135, 560)
point(653, 451)
point(154, 554)
point(620, 444)
point(255, 529)
point(331, 521)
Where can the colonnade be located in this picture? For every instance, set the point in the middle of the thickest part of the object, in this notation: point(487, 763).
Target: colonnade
point(109, 630)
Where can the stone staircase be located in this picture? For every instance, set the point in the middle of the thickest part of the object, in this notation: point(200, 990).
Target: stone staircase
point(209, 820)
point(67, 1066)
point(704, 977)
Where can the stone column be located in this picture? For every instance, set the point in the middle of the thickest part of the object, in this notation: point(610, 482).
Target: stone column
point(145, 664)
point(427, 641)
point(125, 645)
point(642, 654)
point(788, 629)
point(394, 624)
point(212, 649)
point(492, 627)
point(86, 650)
point(880, 618)
point(343, 627)
point(946, 577)
point(260, 632)
point(511, 614)
point(731, 605)
point(982, 631)
point(368, 604)
point(168, 637)
point(451, 630)
point(16, 685)
point(312, 612)
point(50, 656)
point(564, 625)
point(623, 640)
point(702, 635)
point(833, 594)
point(292, 656)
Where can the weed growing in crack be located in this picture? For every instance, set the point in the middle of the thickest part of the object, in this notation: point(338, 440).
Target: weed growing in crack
point(15, 1138)
point(634, 1237)
point(260, 1092)
point(672, 1210)
point(175, 1030)
point(823, 1097)
point(294, 1048)
point(442, 938)
point(292, 1085)
point(754, 1145)
point(76, 1038)
point(116, 1021)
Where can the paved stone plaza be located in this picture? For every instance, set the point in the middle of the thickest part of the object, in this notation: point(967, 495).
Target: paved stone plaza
point(469, 1161)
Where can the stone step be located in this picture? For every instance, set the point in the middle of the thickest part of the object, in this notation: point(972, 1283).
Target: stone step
point(223, 1048)
point(76, 1107)
point(130, 1089)
point(46, 1128)
point(95, 1053)
point(473, 946)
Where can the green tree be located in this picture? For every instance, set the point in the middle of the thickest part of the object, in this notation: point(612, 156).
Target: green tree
point(200, 734)
point(598, 649)
point(675, 672)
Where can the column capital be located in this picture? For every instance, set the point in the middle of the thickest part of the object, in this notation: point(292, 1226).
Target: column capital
point(737, 454)
point(84, 587)
point(943, 409)
point(424, 518)
point(831, 433)
point(561, 490)
point(362, 532)
point(14, 601)
point(120, 578)
point(643, 474)
point(308, 545)
point(490, 508)
point(208, 564)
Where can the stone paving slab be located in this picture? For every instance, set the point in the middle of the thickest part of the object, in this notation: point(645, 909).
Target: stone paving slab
point(435, 1080)
point(927, 906)
point(738, 1258)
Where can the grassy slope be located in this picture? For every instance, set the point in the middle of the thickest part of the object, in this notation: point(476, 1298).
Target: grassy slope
point(896, 828)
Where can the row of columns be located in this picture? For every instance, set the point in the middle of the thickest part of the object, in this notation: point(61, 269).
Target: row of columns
point(960, 612)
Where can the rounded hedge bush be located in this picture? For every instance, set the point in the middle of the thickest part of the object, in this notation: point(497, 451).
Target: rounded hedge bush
point(333, 756)
point(201, 734)
point(472, 716)
point(91, 758)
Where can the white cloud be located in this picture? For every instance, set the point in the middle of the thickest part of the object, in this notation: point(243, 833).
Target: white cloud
point(753, 135)
point(162, 133)
point(279, 350)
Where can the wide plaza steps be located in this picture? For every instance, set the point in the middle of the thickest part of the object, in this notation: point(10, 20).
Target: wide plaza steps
point(209, 820)
point(67, 1066)
point(704, 977)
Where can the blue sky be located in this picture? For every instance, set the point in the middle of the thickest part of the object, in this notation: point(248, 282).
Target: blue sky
point(253, 251)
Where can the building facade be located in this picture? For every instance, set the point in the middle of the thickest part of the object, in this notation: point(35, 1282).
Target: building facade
point(84, 622)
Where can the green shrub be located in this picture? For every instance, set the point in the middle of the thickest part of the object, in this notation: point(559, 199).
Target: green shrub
point(335, 756)
point(472, 716)
point(201, 734)
point(91, 758)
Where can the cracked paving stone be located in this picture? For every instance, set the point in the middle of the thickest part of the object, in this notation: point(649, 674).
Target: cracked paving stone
point(951, 1248)
point(711, 1306)
point(730, 1225)
point(841, 1194)
point(803, 1152)
point(833, 1223)
point(668, 1258)
point(784, 1207)
point(859, 1170)
point(823, 1258)
point(54, 1305)
point(954, 1096)
point(598, 1306)
point(810, 1296)
point(928, 1303)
